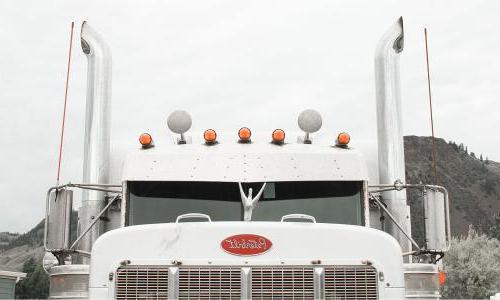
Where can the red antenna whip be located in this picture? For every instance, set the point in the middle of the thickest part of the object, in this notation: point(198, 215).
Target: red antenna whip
point(65, 101)
point(430, 106)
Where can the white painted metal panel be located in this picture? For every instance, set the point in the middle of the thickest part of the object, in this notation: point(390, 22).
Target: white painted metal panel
point(199, 244)
point(254, 162)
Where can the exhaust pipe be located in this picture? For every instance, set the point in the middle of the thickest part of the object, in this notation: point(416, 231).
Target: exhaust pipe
point(97, 130)
point(390, 136)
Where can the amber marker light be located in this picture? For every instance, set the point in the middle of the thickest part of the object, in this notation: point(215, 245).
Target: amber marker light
point(244, 134)
point(442, 277)
point(146, 140)
point(343, 139)
point(278, 136)
point(210, 136)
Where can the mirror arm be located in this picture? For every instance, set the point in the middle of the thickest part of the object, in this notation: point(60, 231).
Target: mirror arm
point(381, 205)
point(398, 186)
point(81, 252)
point(97, 218)
point(85, 186)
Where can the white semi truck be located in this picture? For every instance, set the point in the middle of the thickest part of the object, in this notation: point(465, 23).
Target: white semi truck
point(201, 217)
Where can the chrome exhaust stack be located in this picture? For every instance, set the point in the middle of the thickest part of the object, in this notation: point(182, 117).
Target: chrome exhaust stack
point(97, 131)
point(390, 134)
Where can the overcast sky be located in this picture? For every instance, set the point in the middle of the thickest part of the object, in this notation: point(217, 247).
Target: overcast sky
point(233, 63)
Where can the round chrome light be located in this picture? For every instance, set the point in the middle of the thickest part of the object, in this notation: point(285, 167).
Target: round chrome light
point(179, 121)
point(309, 121)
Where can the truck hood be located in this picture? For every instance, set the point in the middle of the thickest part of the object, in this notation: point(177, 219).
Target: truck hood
point(290, 243)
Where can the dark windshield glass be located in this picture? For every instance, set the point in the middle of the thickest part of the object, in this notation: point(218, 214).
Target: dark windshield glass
point(162, 202)
point(327, 201)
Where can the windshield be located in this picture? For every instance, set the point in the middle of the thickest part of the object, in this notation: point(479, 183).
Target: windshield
point(327, 201)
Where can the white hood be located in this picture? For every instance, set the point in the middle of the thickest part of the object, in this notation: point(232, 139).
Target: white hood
point(199, 243)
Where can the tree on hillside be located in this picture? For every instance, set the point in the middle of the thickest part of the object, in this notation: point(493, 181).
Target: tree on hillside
point(472, 267)
point(494, 231)
point(454, 145)
point(481, 157)
point(473, 155)
point(36, 283)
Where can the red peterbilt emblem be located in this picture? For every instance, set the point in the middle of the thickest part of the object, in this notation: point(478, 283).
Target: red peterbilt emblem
point(246, 244)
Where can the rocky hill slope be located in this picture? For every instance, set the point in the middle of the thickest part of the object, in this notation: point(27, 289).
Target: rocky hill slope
point(20, 248)
point(473, 184)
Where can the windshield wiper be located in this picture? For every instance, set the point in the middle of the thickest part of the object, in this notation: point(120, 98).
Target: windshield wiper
point(248, 201)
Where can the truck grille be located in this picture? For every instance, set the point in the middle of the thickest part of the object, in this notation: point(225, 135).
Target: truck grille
point(142, 282)
point(209, 283)
point(266, 282)
point(350, 282)
point(282, 283)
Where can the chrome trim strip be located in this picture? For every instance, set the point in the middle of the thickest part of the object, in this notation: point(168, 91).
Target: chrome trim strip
point(173, 283)
point(246, 283)
point(319, 283)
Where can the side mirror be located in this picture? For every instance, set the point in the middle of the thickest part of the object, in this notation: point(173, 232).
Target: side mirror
point(435, 219)
point(60, 205)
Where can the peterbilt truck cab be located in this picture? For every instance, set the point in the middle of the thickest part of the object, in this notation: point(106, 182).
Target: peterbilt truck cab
point(185, 224)
point(230, 215)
